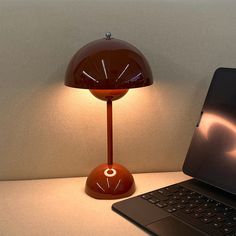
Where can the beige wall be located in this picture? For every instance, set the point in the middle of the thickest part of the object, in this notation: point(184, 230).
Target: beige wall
point(49, 130)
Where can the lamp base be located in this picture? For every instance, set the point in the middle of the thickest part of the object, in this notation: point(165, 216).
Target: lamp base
point(110, 182)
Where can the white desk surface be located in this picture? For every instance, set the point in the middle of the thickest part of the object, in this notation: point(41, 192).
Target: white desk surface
point(59, 207)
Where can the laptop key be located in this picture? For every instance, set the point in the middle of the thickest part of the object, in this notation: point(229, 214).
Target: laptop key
point(194, 194)
point(207, 205)
point(219, 218)
point(184, 201)
point(231, 234)
point(153, 200)
point(174, 197)
point(171, 209)
point(226, 230)
point(199, 209)
point(218, 204)
point(206, 220)
point(198, 201)
point(165, 191)
point(146, 196)
point(159, 196)
point(161, 191)
point(233, 217)
point(228, 209)
point(187, 210)
point(173, 188)
point(217, 225)
point(197, 215)
point(181, 194)
point(171, 202)
point(204, 198)
point(161, 204)
point(180, 206)
point(188, 197)
point(226, 214)
point(217, 209)
point(209, 214)
point(230, 223)
point(210, 201)
point(168, 194)
point(191, 205)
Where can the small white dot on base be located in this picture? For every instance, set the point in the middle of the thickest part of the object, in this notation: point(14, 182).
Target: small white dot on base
point(110, 172)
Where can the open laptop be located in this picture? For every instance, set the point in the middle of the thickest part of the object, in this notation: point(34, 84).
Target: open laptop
point(205, 204)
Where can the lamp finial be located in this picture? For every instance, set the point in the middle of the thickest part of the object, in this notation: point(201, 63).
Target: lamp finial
point(108, 35)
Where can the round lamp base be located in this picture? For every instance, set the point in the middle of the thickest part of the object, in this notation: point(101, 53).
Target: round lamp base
point(110, 182)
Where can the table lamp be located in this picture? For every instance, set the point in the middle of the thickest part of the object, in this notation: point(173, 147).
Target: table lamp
point(109, 67)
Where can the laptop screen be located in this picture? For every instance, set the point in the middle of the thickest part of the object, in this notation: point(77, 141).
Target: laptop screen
point(211, 157)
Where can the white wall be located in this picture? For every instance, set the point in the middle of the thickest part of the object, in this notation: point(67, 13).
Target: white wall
point(50, 130)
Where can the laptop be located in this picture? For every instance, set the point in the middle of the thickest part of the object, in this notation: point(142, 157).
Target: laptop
point(205, 204)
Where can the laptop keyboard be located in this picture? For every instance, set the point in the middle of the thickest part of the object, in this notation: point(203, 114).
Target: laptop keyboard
point(206, 214)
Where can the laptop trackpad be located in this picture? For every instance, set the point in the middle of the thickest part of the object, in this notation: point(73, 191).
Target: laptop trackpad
point(170, 226)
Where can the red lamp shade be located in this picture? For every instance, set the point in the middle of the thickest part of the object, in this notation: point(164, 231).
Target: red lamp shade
point(108, 64)
point(108, 68)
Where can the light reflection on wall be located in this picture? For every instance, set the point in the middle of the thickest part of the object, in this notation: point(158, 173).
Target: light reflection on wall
point(83, 115)
point(209, 119)
point(133, 104)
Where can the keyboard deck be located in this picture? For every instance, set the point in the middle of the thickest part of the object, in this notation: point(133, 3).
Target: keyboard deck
point(206, 214)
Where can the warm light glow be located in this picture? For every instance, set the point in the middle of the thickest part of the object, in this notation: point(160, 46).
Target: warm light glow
point(79, 113)
point(78, 103)
point(78, 109)
point(232, 153)
point(209, 119)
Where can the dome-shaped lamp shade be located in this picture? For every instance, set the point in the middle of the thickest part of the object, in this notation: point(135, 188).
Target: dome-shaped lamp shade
point(108, 64)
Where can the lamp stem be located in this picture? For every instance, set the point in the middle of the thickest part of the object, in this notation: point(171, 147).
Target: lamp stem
point(109, 133)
